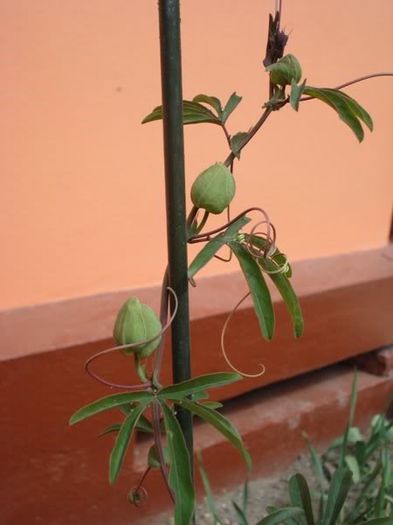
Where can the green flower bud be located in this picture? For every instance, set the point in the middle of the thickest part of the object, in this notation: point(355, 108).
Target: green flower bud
point(285, 70)
point(213, 189)
point(137, 322)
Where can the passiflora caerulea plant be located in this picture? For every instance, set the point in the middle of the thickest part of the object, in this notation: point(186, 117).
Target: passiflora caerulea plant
point(139, 332)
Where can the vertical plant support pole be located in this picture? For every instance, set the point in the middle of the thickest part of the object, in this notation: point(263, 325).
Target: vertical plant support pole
point(172, 102)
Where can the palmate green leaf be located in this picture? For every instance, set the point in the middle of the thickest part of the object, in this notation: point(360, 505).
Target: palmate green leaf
point(237, 142)
point(213, 246)
point(193, 113)
point(338, 491)
point(233, 101)
point(300, 496)
point(198, 384)
point(221, 423)
point(180, 477)
point(347, 108)
point(281, 516)
point(214, 102)
point(259, 291)
point(123, 440)
point(108, 402)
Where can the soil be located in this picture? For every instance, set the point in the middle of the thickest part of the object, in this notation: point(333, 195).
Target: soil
point(262, 492)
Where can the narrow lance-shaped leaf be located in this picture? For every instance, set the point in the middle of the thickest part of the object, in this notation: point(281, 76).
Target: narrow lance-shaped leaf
point(106, 403)
point(347, 108)
point(379, 521)
point(212, 247)
point(352, 409)
point(144, 424)
point(240, 514)
point(279, 257)
point(259, 291)
point(198, 384)
point(289, 297)
point(122, 442)
point(300, 496)
point(281, 516)
point(110, 429)
point(338, 491)
point(233, 101)
point(193, 113)
point(180, 477)
point(212, 404)
point(283, 285)
point(359, 111)
point(222, 424)
point(214, 102)
point(245, 496)
point(317, 466)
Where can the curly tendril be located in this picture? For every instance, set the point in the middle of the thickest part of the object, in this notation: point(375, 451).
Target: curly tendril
point(227, 360)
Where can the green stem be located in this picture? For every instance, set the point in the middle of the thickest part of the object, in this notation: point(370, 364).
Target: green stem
point(254, 130)
point(140, 368)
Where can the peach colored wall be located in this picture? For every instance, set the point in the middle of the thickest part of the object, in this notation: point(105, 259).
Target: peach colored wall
point(82, 183)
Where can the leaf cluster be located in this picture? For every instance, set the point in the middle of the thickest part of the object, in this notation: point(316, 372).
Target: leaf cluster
point(195, 110)
point(191, 395)
point(253, 269)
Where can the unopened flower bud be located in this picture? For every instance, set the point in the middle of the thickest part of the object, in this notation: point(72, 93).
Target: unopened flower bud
point(285, 70)
point(213, 189)
point(137, 322)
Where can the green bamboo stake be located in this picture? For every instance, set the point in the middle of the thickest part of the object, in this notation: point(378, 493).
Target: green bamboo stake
point(171, 82)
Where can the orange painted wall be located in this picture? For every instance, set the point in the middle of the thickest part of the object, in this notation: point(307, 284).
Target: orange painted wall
point(82, 183)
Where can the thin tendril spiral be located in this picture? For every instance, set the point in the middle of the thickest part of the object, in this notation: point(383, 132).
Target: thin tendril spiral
point(224, 328)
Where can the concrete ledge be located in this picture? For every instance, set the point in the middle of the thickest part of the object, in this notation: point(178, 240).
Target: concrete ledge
point(51, 326)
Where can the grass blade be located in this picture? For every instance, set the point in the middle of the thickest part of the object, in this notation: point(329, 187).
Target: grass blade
point(209, 493)
point(300, 496)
